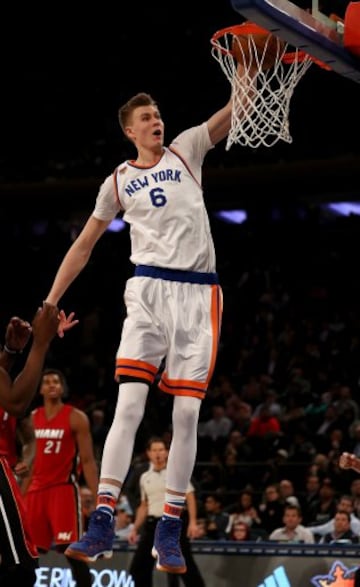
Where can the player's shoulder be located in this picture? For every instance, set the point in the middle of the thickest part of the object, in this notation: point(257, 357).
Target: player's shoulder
point(120, 169)
point(78, 416)
point(188, 133)
point(122, 166)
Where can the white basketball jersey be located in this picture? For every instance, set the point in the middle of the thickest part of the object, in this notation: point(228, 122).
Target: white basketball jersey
point(164, 206)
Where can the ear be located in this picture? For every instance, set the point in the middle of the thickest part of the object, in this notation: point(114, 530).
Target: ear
point(129, 133)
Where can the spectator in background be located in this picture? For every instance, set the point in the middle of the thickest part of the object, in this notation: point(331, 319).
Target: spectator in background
point(355, 494)
point(234, 476)
point(124, 520)
point(292, 530)
point(239, 532)
point(298, 384)
point(240, 413)
point(275, 469)
point(264, 430)
point(237, 443)
point(354, 440)
point(287, 492)
point(244, 510)
point(300, 449)
point(324, 509)
point(344, 401)
point(271, 509)
point(315, 410)
point(310, 496)
point(252, 391)
point(272, 403)
point(293, 414)
point(217, 428)
point(345, 504)
point(217, 519)
point(342, 531)
point(210, 476)
point(338, 442)
point(339, 480)
point(320, 466)
point(330, 421)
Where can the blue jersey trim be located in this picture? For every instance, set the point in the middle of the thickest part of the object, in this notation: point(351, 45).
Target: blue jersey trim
point(177, 275)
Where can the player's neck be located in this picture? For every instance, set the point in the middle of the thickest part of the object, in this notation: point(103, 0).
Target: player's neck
point(52, 407)
point(148, 158)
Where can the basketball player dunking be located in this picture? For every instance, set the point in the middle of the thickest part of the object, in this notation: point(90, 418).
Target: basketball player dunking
point(174, 308)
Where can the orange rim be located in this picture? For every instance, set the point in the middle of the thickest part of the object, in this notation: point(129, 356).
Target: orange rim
point(250, 28)
point(301, 56)
point(247, 28)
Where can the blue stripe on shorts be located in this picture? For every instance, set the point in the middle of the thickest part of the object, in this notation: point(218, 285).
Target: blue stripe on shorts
point(177, 275)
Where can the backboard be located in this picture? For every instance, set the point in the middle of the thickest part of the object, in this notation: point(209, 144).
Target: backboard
point(311, 31)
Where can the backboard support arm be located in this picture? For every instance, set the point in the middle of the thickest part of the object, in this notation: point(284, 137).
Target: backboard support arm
point(303, 30)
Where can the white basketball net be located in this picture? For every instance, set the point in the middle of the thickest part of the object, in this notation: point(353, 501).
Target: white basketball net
point(260, 103)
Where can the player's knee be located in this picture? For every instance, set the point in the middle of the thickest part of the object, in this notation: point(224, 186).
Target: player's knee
point(186, 412)
point(131, 404)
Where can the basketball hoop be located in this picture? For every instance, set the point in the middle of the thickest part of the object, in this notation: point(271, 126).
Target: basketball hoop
point(260, 100)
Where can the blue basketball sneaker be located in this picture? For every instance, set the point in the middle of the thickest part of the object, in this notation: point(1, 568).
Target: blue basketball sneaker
point(166, 547)
point(97, 541)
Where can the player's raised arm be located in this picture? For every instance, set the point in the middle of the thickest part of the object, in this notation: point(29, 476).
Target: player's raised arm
point(219, 124)
point(76, 258)
point(15, 396)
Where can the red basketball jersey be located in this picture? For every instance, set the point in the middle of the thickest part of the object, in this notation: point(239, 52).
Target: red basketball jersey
point(8, 437)
point(56, 452)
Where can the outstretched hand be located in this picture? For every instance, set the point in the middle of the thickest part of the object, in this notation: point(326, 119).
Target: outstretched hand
point(17, 334)
point(66, 323)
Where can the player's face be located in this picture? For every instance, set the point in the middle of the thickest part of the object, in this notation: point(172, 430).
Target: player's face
point(51, 386)
point(146, 128)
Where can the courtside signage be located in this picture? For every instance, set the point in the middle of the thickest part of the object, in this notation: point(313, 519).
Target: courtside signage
point(62, 577)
